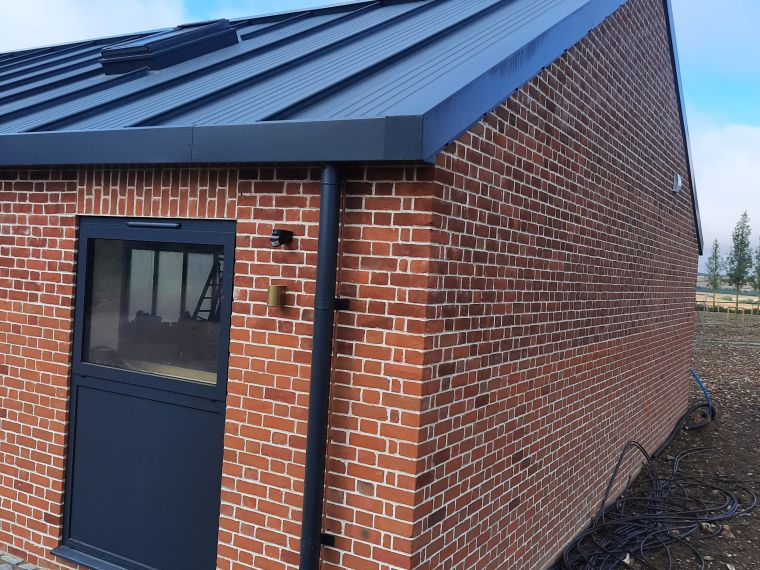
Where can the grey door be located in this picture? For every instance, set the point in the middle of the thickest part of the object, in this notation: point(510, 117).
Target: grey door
point(148, 393)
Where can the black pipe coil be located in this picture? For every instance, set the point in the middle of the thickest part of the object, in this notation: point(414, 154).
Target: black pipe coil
point(656, 522)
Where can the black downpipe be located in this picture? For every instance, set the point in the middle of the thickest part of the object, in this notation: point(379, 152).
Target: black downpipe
point(321, 364)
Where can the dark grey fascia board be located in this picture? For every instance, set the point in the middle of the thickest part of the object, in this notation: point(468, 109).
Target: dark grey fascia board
point(684, 124)
point(350, 140)
point(123, 146)
point(459, 112)
point(362, 140)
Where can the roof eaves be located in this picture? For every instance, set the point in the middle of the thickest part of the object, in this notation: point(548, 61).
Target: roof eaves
point(684, 124)
point(124, 146)
point(444, 123)
point(342, 140)
point(362, 140)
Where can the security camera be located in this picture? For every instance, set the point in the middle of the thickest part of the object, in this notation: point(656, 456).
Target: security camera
point(281, 237)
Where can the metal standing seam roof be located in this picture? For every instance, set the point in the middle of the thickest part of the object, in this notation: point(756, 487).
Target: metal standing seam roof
point(389, 80)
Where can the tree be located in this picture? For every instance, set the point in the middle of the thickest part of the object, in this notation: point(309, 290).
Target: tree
point(713, 267)
point(739, 263)
point(755, 279)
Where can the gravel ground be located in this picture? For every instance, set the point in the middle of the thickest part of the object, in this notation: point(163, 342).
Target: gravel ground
point(10, 562)
point(727, 357)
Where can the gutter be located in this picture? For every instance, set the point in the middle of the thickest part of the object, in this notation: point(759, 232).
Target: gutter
point(325, 305)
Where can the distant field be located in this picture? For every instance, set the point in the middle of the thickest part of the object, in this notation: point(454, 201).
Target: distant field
point(725, 291)
point(726, 300)
point(725, 296)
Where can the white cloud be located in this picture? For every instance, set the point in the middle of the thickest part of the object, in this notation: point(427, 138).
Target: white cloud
point(721, 59)
point(32, 23)
point(726, 158)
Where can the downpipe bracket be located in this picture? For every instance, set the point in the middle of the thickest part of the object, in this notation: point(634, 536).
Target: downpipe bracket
point(332, 304)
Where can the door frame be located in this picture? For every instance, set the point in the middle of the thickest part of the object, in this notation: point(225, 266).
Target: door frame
point(174, 391)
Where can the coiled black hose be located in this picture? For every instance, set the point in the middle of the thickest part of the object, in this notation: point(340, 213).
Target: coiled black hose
point(649, 524)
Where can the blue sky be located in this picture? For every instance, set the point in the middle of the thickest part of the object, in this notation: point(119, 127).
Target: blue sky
point(719, 59)
point(720, 63)
point(718, 49)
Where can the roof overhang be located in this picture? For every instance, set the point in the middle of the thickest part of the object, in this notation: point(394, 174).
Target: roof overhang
point(395, 138)
point(684, 125)
point(398, 138)
point(362, 140)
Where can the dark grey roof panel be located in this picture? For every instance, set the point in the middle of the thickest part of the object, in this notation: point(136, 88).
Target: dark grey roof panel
point(427, 76)
point(25, 68)
point(45, 85)
point(14, 80)
point(190, 83)
point(332, 70)
point(12, 60)
point(445, 62)
point(53, 96)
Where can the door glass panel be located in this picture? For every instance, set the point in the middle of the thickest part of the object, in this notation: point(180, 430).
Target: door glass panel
point(154, 308)
point(169, 300)
point(141, 273)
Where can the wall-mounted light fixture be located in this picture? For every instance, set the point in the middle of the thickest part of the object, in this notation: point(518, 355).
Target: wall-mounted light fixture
point(281, 237)
point(276, 296)
point(678, 184)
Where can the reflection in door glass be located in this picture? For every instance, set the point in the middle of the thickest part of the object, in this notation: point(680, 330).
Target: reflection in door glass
point(154, 308)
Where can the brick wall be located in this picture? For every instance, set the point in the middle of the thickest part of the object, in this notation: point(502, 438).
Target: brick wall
point(376, 384)
point(37, 240)
point(520, 310)
point(561, 300)
point(378, 368)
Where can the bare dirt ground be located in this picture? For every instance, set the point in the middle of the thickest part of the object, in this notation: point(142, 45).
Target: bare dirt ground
point(727, 357)
point(701, 517)
point(686, 512)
